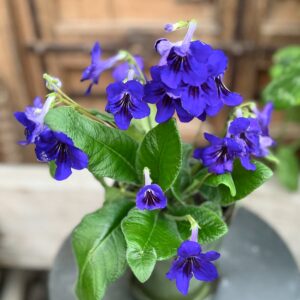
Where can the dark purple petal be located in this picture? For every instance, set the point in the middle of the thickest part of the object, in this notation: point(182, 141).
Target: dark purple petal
point(95, 53)
point(63, 169)
point(123, 118)
point(192, 100)
point(79, 160)
point(135, 88)
point(211, 255)
point(189, 248)
point(183, 115)
point(165, 109)
point(151, 197)
point(204, 270)
point(183, 281)
point(247, 164)
point(217, 63)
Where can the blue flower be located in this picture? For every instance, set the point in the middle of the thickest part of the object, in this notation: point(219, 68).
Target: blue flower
point(97, 66)
point(58, 147)
point(250, 133)
point(125, 101)
point(120, 72)
point(151, 197)
point(247, 132)
point(264, 117)
point(219, 156)
point(191, 261)
point(166, 99)
point(33, 119)
point(184, 61)
point(229, 98)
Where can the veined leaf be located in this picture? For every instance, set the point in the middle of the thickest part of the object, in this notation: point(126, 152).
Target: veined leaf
point(160, 151)
point(100, 249)
point(111, 152)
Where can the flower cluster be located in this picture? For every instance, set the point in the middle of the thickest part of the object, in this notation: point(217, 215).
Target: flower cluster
point(188, 81)
point(246, 137)
point(50, 145)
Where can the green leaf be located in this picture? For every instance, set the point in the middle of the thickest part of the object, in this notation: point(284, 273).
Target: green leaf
point(100, 249)
point(245, 182)
point(160, 151)
point(214, 206)
point(284, 59)
point(212, 227)
point(284, 91)
point(223, 179)
point(111, 152)
point(150, 237)
point(288, 168)
point(52, 168)
point(183, 179)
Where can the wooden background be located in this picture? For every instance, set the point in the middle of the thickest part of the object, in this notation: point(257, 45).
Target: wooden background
point(55, 36)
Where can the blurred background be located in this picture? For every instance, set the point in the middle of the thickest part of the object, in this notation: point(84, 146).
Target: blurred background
point(38, 36)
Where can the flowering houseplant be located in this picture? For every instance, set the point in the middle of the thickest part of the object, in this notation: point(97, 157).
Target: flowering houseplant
point(168, 199)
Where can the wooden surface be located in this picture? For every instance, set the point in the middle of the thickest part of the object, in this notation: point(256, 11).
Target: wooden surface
point(37, 212)
point(39, 36)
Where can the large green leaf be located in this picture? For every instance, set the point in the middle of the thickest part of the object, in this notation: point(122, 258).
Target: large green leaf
point(288, 168)
point(183, 179)
point(285, 60)
point(100, 249)
point(284, 91)
point(245, 182)
point(111, 152)
point(223, 179)
point(150, 237)
point(160, 151)
point(212, 227)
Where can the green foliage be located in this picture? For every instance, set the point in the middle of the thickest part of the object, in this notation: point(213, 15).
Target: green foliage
point(150, 236)
point(100, 249)
point(183, 179)
point(223, 179)
point(160, 151)
point(288, 168)
point(212, 226)
point(284, 89)
point(245, 183)
point(111, 152)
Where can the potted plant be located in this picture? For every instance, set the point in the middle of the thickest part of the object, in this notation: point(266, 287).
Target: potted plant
point(169, 205)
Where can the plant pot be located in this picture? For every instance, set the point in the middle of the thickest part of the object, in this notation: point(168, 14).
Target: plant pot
point(252, 266)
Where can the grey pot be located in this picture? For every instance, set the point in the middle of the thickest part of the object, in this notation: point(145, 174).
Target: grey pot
point(255, 265)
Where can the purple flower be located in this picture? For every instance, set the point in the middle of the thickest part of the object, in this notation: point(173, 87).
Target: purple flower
point(167, 100)
point(219, 156)
point(58, 147)
point(151, 197)
point(125, 101)
point(184, 61)
point(264, 117)
point(121, 71)
point(97, 66)
point(33, 119)
point(247, 132)
point(227, 97)
point(191, 261)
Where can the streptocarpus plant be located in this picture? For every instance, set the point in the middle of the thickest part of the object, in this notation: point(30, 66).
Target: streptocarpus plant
point(167, 198)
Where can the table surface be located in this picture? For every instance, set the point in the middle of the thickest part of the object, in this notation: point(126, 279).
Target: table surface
point(37, 212)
